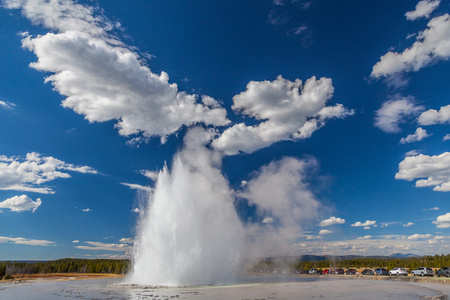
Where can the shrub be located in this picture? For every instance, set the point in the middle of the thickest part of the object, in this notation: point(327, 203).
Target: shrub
point(8, 277)
point(2, 270)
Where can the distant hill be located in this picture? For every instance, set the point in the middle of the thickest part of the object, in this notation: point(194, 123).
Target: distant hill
point(401, 255)
point(301, 258)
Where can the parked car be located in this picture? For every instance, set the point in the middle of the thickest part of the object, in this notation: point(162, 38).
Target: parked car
point(398, 272)
point(381, 271)
point(313, 271)
point(444, 271)
point(339, 271)
point(350, 272)
point(368, 272)
point(422, 271)
point(327, 271)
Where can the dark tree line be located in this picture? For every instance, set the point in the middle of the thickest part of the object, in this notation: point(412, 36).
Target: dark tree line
point(67, 265)
point(410, 263)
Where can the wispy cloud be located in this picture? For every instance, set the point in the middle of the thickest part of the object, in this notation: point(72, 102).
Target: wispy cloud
point(24, 241)
point(7, 105)
point(99, 246)
point(277, 18)
point(135, 186)
point(432, 208)
point(396, 111)
point(153, 175)
point(30, 173)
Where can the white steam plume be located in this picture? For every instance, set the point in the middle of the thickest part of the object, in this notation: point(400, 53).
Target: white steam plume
point(190, 233)
point(280, 192)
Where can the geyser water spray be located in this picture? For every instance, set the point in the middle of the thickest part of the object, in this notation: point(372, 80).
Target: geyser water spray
point(190, 233)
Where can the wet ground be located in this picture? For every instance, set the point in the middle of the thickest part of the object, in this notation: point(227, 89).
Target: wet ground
point(254, 288)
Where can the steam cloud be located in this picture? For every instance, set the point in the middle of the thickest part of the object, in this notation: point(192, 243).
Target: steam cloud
point(190, 233)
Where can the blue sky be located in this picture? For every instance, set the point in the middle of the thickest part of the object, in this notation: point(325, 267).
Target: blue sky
point(339, 107)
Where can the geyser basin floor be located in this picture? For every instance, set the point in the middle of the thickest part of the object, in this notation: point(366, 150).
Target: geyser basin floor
point(319, 288)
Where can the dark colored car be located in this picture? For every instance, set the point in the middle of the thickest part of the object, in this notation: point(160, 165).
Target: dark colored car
point(350, 272)
point(444, 271)
point(368, 272)
point(339, 271)
point(381, 271)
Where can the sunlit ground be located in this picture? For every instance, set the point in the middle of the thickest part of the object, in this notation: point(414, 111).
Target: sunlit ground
point(251, 288)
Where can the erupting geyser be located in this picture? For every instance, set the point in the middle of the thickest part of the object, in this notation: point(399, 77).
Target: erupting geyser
point(190, 233)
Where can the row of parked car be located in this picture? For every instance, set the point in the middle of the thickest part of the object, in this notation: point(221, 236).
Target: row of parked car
point(422, 271)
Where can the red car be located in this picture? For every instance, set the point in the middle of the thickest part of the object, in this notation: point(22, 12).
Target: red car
point(327, 271)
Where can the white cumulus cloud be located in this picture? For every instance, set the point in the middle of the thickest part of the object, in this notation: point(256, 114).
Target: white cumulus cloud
point(418, 135)
point(325, 231)
point(432, 44)
point(408, 224)
point(286, 110)
point(432, 116)
point(423, 9)
point(30, 173)
point(368, 223)
point(443, 221)
point(436, 170)
point(394, 112)
point(419, 236)
point(446, 137)
point(21, 203)
point(331, 221)
point(103, 80)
